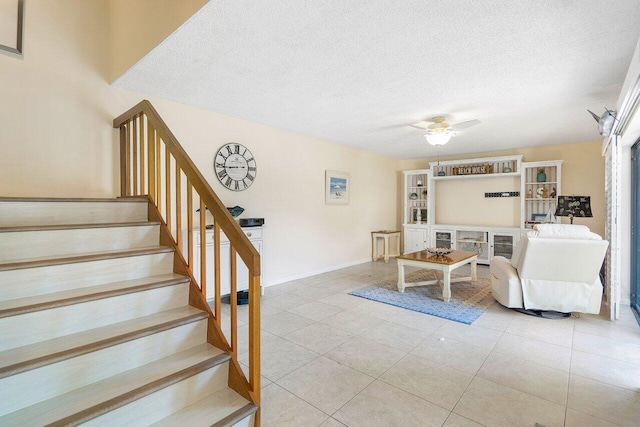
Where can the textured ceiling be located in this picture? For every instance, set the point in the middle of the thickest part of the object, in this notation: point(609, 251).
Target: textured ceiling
point(358, 72)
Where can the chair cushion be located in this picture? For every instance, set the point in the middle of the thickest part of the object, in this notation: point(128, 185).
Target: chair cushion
point(563, 231)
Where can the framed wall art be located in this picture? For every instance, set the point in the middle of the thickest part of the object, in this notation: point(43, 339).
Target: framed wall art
point(337, 188)
point(11, 26)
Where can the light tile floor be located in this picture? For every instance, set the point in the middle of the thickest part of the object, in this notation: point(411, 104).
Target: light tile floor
point(332, 359)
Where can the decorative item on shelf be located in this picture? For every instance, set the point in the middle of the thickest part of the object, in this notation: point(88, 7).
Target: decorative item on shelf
point(208, 216)
point(538, 218)
point(418, 215)
point(439, 251)
point(419, 183)
point(507, 169)
point(541, 176)
point(425, 193)
point(441, 173)
point(554, 193)
point(540, 193)
point(235, 211)
point(413, 196)
point(472, 246)
point(473, 170)
point(574, 206)
point(529, 193)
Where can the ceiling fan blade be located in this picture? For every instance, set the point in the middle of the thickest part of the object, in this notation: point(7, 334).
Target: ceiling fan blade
point(421, 125)
point(465, 125)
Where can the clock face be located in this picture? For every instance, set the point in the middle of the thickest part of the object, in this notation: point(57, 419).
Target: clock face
point(235, 167)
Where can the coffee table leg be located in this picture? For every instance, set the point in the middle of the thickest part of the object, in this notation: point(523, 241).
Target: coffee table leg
point(474, 274)
point(400, 276)
point(446, 291)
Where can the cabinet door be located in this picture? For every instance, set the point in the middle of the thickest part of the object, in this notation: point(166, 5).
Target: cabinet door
point(502, 244)
point(414, 240)
point(443, 239)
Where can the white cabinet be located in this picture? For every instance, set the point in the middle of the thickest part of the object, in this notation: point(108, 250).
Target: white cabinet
point(443, 238)
point(502, 243)
point(415, 239)
point(487, 242)
point(255, 235)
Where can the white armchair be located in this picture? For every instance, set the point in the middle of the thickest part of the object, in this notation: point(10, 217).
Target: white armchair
point(555, 267)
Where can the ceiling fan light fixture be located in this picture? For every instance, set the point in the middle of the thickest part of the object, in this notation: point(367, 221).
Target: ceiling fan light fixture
point(438, 138)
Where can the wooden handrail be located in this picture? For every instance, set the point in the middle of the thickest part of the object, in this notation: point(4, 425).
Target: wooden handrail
point(230, 228)
point(150, 156)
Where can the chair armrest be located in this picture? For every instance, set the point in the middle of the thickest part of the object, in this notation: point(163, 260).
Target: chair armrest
point(501, 268)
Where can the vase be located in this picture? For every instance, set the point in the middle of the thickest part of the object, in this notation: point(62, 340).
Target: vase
point(541, 177)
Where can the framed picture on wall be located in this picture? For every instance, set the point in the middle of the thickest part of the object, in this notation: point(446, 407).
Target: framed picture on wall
point(337, 188)
point(11, 24)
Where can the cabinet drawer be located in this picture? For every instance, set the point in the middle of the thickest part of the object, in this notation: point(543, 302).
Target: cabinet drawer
point(251, 233)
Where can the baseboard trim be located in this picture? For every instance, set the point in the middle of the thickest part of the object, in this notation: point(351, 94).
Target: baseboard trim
point(313, 273)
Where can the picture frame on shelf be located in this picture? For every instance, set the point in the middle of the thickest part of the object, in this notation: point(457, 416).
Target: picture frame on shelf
point(538, 218)
point(337, 188)
point(423, 214)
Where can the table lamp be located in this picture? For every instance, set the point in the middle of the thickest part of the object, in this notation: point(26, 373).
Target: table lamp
point(574, 206)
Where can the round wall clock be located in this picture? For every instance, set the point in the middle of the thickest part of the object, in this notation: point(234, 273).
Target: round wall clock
point(235, 166)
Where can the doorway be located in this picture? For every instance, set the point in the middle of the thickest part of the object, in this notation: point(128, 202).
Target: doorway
point(635, 228)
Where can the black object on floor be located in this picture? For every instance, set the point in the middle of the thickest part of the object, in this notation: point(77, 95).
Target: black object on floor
point(243, 297)
point(546, 314)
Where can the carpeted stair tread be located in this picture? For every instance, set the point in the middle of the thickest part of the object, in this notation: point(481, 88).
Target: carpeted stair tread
point(222, 408)
point(90, 293)
point(93, 400)
point(86, 257)
point(21, 228)
point(21, 359)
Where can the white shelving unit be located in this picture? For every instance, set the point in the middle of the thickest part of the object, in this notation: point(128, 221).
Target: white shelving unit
point(539, 198)
point(416, 212)
point(486, 241)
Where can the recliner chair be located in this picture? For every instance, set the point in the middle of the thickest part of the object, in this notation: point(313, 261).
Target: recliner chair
point(553, 268)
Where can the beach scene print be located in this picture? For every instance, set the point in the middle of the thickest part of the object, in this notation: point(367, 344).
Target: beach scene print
point(338, 188)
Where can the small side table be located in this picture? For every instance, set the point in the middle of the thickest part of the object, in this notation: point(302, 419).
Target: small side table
point(384, 234)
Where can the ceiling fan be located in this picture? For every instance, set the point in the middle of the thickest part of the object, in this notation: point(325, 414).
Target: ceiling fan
point(439, 132)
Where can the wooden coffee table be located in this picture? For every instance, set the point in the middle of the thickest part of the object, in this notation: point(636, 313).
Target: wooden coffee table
point(446, 264)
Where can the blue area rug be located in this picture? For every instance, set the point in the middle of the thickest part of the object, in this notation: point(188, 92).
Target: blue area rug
point(468, 299)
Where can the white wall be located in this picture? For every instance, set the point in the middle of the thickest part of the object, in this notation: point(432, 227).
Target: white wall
point(56, 140)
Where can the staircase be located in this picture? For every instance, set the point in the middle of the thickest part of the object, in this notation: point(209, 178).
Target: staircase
point(96, 327)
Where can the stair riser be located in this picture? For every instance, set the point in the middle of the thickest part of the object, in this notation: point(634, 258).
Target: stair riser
point(50, 243)
point(42, 325)
point(33, 386)
point(56, 278)
point(171, 399)
point(24, 213)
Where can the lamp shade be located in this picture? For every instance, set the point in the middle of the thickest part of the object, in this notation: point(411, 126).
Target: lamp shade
point(574, 206)
point(438, 138)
